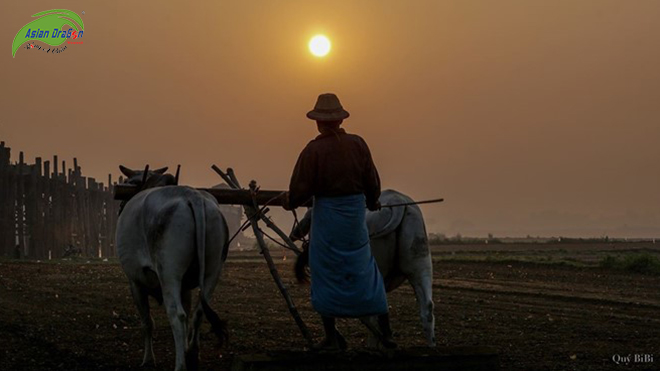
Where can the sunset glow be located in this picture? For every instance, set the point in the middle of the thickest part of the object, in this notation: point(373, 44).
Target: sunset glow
point(449, 95)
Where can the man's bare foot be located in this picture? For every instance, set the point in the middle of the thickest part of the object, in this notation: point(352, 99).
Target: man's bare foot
point(338, 342)
point(387, 342)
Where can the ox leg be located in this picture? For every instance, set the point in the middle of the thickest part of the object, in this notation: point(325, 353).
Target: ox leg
point(186, 301)
point(415, 261)
point(141, 300)
point(422, 285)
point(192, 356)
point(178, 320)
point(218, 326)
point(192, 359)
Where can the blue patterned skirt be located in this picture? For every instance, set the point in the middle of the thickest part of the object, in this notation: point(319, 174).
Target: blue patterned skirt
point(345, 277)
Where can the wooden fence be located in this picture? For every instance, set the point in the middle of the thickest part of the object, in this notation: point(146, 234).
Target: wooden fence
point(47, 210)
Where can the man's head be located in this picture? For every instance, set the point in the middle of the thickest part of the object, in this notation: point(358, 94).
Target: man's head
point(326, 126)
point(328, 109)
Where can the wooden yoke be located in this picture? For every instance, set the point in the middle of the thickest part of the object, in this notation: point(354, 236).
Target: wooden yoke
point(224, 196)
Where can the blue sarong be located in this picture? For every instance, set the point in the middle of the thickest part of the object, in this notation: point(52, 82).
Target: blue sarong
point(346, 281)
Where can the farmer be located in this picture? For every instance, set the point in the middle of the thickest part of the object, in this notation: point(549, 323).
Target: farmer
point(336, 169)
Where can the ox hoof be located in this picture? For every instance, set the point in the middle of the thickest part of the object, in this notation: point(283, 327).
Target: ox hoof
point(388, 343)
point(149, 364)
point(192, 361)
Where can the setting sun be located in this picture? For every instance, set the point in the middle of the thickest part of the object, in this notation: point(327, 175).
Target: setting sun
point(319, 45)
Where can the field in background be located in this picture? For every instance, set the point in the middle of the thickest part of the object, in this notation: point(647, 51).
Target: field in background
point(643, 257)
point(543, 306)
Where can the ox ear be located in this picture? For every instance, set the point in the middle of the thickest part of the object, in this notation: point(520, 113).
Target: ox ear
point(126, 171)
point(161, 171)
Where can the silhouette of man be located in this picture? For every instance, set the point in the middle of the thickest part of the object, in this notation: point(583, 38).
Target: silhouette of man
point(337, 170)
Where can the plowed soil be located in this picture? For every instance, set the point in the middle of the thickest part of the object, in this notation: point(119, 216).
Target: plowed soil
point(78, 315)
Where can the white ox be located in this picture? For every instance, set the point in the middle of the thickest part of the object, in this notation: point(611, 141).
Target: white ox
point(170, 240)
point(400, 246)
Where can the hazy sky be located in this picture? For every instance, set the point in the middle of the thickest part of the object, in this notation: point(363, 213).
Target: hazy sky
point(528, 117)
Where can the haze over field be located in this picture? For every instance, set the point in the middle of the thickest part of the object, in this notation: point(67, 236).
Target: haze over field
point(528, 117)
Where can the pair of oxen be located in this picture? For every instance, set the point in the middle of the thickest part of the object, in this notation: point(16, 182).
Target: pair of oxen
point(173, 239)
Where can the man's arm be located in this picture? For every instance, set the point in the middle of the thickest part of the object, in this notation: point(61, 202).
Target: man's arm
point(301, 187)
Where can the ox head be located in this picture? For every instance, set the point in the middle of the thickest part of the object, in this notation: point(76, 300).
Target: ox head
point(147, 178)
point(144, 179)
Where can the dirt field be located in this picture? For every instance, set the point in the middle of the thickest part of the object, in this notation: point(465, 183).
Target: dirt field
point(75, 315)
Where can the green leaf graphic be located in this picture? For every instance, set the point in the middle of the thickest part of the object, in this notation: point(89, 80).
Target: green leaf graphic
point(49, 21)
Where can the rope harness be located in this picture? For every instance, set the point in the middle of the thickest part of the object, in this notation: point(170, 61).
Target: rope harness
point(263, 210)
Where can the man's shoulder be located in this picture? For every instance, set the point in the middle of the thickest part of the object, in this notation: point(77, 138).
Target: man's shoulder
point(312, 146)
point(324, 140)
point(343, 134)
point(356, 138)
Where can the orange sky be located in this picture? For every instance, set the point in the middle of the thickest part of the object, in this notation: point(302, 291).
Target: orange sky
point(528, 117)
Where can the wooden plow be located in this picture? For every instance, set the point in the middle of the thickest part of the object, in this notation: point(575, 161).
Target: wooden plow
point(255, 204)
point(254, 214)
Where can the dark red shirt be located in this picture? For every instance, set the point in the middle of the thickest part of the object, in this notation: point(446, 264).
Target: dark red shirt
point(334, 164)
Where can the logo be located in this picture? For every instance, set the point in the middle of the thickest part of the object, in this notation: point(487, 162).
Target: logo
point(48, 29)
point(632, 358)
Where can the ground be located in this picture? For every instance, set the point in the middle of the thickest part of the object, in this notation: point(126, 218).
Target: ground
point(554, 312)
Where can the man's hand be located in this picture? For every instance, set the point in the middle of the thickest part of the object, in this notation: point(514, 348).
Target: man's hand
point(285, 202)
point(375, 207)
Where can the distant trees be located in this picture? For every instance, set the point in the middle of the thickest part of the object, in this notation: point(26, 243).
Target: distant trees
point(458, 239)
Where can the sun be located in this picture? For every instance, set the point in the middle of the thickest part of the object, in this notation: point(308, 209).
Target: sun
point(319, 45)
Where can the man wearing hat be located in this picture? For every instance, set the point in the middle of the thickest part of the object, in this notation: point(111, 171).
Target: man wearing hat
point(337, 170)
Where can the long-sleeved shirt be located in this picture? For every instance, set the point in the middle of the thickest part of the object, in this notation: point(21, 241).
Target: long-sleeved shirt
point(334, 164)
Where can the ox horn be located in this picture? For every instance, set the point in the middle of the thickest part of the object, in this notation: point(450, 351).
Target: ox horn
point(145, 174)
point(126, 171)
point(176, 176)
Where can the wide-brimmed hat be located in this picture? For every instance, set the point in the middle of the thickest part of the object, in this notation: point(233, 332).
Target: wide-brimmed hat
point(328, 108)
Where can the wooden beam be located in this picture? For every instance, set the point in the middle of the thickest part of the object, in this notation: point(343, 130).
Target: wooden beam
point(224, 196)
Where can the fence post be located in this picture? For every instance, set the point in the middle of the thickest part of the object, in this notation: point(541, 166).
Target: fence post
point(7, 223)
point(20, 203)
point(30, 202)
point(37, 234)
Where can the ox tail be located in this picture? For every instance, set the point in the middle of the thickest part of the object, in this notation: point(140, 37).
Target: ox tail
point(302, 262)
point(218, 326)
